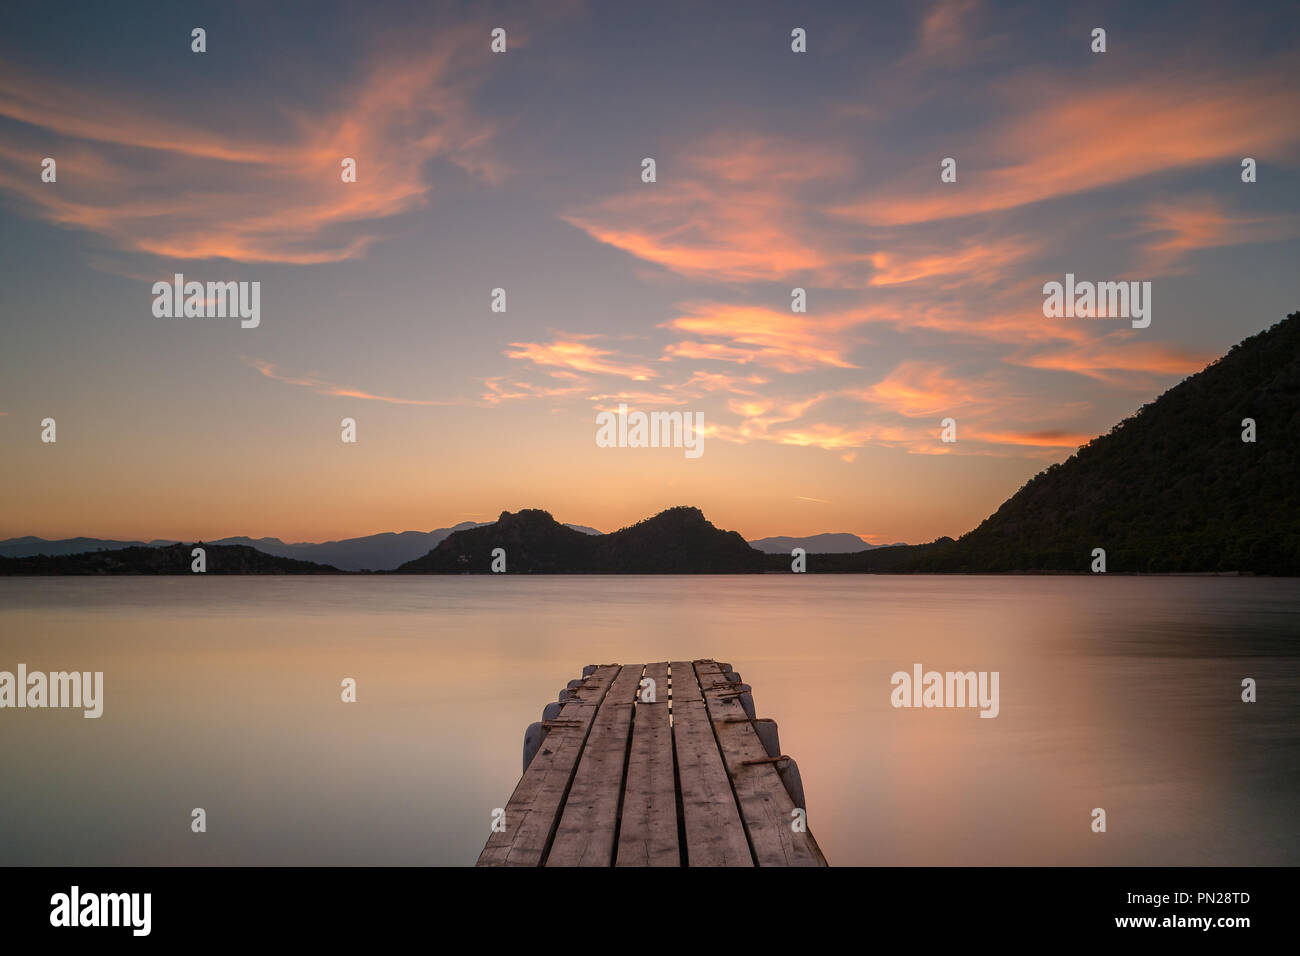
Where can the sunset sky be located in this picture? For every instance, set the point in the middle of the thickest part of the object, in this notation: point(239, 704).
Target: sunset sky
point(522, 171)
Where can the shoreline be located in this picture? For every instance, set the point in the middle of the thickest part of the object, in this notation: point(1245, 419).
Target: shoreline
point(665, 574)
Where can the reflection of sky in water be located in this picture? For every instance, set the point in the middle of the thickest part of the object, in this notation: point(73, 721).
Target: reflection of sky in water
point(224, 693)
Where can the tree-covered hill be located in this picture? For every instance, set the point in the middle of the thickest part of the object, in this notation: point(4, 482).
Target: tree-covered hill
point(1171, 488)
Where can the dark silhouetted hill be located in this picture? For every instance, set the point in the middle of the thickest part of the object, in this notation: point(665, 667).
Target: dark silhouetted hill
point(171, 559)
point(1172, 488)
point(29, 546)
point(676, 541)
point(532, 539)
point(374, 552)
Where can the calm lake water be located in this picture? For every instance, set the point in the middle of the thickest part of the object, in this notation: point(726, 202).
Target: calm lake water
point(223, 693)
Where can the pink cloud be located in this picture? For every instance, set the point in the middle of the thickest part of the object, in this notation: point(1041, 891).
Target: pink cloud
point(785, 341)
point(1080, 141)
point(568, 354)
point(180, 188)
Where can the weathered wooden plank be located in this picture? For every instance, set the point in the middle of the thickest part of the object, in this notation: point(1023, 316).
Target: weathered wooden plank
point(589, 820)
point(715, 835)
point(686, 686)
point(533, 811)
point(647, 834)
point(765, 805)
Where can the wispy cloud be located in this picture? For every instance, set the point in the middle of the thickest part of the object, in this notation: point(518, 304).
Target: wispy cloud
point(1173, 228)
point(945, 34)
point(788, 342)
point(1112, 360)
point(504, 388)
point(917, 389)
point(570, 354)
point(322, 387)
point(182, 189)
point(1050, 439)
point(1076, 142)
point(729, 213)
point(965, 261)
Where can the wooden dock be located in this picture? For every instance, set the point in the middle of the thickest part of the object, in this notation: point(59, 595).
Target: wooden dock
point(654, 765)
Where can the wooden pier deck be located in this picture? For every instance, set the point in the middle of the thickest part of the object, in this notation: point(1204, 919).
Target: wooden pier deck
point(677, 772)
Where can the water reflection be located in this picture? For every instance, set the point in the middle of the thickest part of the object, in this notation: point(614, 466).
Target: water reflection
point(223, 693)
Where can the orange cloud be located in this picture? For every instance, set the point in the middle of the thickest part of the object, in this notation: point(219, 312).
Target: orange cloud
point(1102, 359)
point(728, 214)
point(1009, 327)
point(178, 189)
point(734, 213)
point(785, 341)
point(1038, 439)
point(703, 382)
point(606, 400)
point(1199, 222)
point(568, 354)
point(1078, 142)
point(499, 389)
point(917, 389)
point(974, 261)
point(824, 435)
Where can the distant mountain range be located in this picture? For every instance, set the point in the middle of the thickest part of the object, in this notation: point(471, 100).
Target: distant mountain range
point(382, 552)
point(376, 552)
point(1173, 488)
point(831, 543)
point(28, 546)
